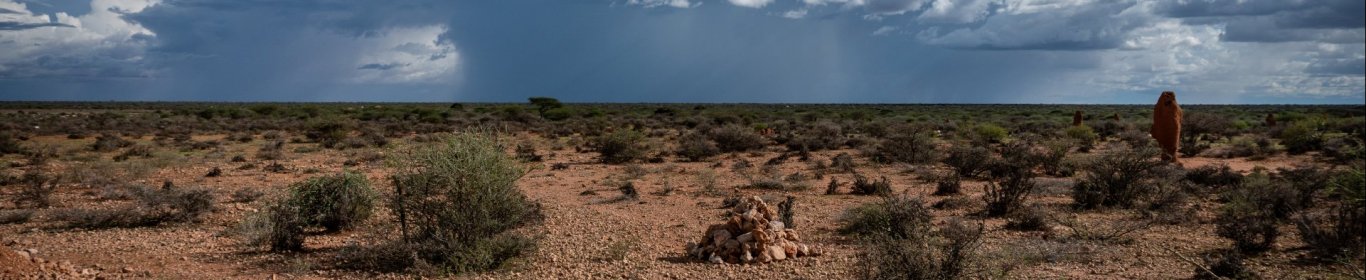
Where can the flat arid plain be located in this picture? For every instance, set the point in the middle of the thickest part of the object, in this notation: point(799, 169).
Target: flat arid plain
point(545, 190)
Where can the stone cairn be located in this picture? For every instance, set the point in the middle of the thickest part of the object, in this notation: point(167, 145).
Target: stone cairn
point(1076, 118)
point(752, 234)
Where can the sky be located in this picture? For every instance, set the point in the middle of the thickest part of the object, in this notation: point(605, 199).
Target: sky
point(725, 51)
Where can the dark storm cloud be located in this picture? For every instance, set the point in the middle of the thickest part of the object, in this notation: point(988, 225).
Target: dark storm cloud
point(381, 66)
point(1335, 21)
point(22, 26)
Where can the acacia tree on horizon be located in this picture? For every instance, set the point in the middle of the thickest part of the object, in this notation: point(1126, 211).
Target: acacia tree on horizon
point(544, 104)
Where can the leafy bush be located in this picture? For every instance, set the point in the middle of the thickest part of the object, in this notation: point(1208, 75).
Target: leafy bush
point(1116, 179)
point(968, 161)
point(1300, 137)
point(695, 147)
point(736, 138)
point(335, 202)
point(620, 146)
point(456, 202)
point(908, 147)
point(989, 133)
point(1083, 134)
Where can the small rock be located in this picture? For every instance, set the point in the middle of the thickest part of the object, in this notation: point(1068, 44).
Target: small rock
point(777, 252)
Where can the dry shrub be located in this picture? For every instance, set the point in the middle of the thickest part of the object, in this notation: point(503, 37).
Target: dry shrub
point(334, 202)
point(1011, 179)
point(968, 161)
point(1119, 178)
point(695, 147)
point(153, 207)
point(736, 138)
point(899, 242)
point(620, 146)
point(1337, 232)
point(864, 186)
point(907, 147)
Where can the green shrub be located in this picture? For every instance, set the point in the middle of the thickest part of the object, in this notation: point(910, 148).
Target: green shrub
point(1300, 137)
point(736, 138)
point(457, 201)
point(620, 146)
point(989, 133)
point(1083, 134)
point(334, 202)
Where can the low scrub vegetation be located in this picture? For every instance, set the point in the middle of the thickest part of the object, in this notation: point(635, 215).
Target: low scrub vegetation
point(153, 206)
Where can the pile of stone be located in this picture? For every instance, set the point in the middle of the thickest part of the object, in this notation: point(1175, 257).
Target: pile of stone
point(752, 234)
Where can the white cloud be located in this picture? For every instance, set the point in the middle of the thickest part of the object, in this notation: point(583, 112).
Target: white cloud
point(884, 30)
point(795, 14)
point(949, 11)
point(751, 3)
point(99, 43)
point(405, 55)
